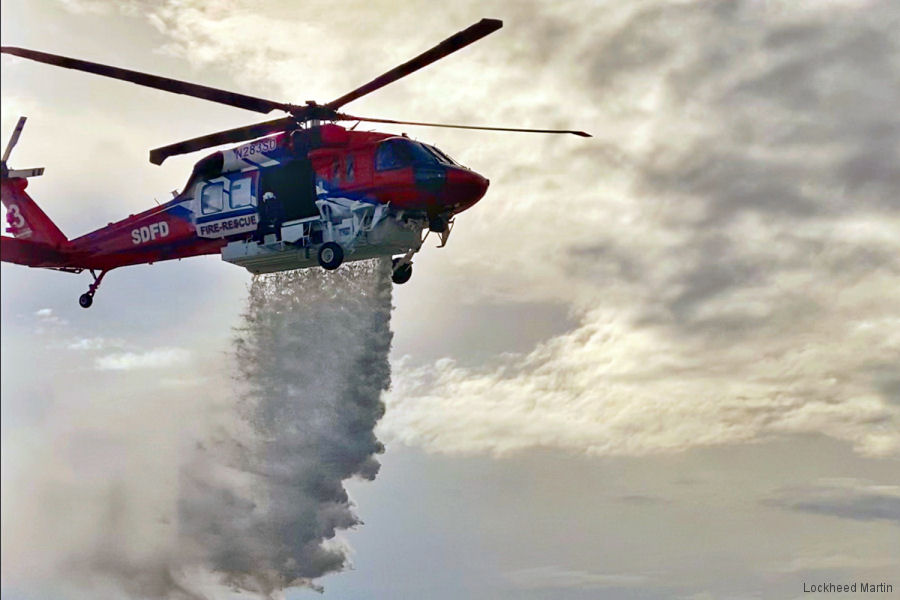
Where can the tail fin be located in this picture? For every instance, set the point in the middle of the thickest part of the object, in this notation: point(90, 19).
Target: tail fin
point(24, 218)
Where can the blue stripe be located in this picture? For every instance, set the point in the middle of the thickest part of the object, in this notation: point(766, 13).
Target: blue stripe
point(254, 163)
point(180, 211)
point(227, 215)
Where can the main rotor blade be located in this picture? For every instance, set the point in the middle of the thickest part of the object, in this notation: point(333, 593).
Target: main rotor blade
point(345, 117)
point(239, 134)
point(13, 139)
point(154, 81)
point(451, 44)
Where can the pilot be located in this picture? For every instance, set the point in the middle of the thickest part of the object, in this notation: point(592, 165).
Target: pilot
point(271, 215)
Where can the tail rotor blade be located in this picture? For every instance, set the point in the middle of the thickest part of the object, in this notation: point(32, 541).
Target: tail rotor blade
point(14, 138)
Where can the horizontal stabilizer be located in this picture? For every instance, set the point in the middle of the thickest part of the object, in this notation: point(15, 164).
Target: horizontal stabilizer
point(25, 173)
point(32, 254)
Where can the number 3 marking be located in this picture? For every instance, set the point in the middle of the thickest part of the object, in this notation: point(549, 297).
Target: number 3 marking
point(14, 217)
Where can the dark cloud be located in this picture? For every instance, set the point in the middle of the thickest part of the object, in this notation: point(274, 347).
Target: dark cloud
point(847, 499)
point(790, 122)
point(642, 499)
point(888, 382)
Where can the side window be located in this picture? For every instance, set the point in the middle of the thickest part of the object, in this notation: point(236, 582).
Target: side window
point(211, 198)
point(350, 168)
point(242, 192)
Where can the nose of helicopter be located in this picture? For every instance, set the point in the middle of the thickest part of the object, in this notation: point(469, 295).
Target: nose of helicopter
point(463, 189)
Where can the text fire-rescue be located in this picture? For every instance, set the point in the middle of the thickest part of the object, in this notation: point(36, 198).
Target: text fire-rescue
point(146, 233)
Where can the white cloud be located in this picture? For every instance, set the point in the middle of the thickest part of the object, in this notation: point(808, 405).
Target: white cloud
point(100, 7)
point(94, 343)
point(46, 316)
point(156, 358)
point(48, 321)
point(613, 388)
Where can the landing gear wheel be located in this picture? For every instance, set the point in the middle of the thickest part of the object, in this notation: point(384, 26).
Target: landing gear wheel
point(402, 273)
point(87, 298)
point(331, 255)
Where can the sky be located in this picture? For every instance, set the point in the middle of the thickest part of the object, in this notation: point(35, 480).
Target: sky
point(663, 362)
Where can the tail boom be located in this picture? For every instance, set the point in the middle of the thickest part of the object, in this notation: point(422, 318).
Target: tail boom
point(33, 254)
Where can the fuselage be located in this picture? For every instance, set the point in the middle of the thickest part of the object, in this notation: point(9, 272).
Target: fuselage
point(222, 199)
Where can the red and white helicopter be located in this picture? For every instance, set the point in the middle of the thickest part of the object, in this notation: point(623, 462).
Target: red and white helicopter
point(303, 192)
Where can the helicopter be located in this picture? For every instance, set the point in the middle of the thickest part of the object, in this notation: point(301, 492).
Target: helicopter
point(298, 191)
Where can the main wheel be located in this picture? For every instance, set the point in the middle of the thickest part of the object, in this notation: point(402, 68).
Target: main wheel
point(401, 274)
point(85, 300)
point(331, 255)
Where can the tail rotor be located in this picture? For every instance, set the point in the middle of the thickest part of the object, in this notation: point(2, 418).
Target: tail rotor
point(24, 218)
point(8, 173)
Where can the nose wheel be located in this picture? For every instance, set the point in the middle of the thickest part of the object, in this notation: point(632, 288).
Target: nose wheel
point(87, 298)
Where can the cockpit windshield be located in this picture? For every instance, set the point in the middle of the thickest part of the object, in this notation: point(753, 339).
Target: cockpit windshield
point(397, 153)
point(442, 156)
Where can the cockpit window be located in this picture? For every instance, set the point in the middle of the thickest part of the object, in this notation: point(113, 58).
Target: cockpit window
point(444, 157)
point(434, 155)
point(393, 154)
point(397, 153)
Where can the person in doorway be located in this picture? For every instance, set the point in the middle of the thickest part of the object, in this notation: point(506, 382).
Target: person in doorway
point(271, 215)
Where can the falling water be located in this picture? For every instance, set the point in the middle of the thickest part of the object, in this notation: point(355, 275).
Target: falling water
point(262, 504)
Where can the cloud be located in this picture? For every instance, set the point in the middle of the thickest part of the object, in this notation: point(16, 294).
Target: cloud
point(156, 358)
point(608, 388)
point(844, 498)
point(555, 577)
point(48, 321)
point(729, 243)
point(833, 562)
point(100, 7)
point(94, 343)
